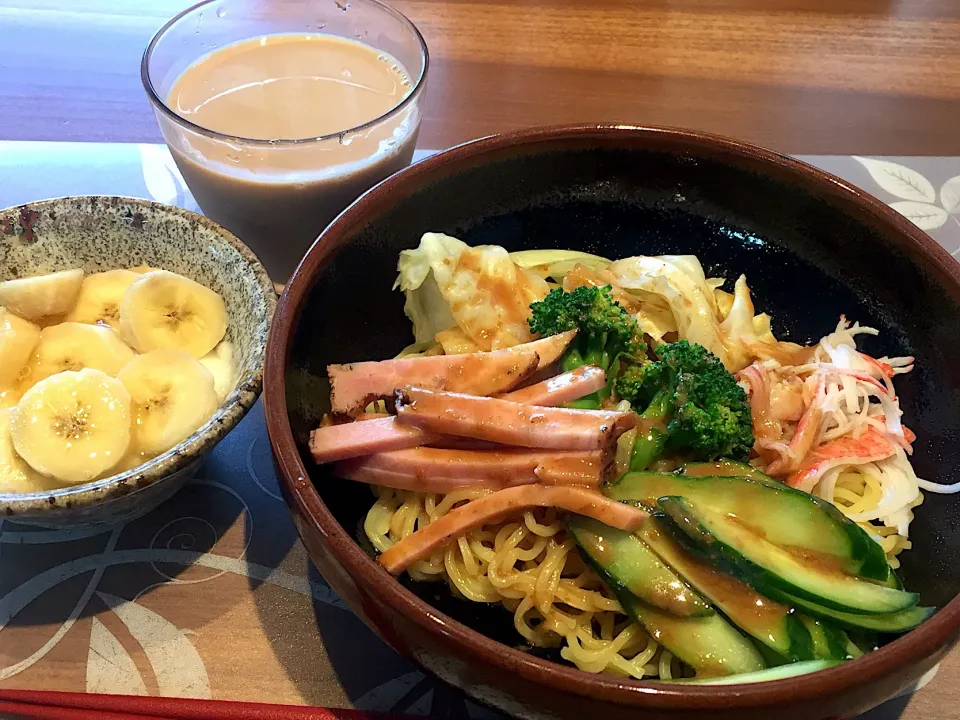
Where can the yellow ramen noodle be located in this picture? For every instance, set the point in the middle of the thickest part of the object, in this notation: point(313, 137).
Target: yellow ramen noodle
point(532, 568)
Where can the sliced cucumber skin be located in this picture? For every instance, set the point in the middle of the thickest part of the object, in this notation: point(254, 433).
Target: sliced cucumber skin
point(818, 526)
point(634, 568)
point(709, 644)
point(847, 594)
point(874, 563)
point(727, 468)
point(829, 642)
point(893, 623)
point(780, 672)
point(775, 626)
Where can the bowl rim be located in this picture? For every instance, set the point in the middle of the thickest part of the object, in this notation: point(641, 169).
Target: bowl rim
point(41, 505)
point(917, 646)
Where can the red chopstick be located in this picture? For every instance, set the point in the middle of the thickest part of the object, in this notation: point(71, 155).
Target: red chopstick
point(52, 712)
point(42, 705)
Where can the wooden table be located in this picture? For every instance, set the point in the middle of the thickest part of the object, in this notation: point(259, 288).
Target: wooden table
point(814, 76)
point(875, 77)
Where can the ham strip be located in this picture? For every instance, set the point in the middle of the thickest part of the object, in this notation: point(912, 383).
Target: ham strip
point(352, 470)
point(353, 439)
point(504, 467)
point(561, 389)
point(383, 434)
point(509, 422)
point(872, 446)
point(354, 386)
point(502, 504)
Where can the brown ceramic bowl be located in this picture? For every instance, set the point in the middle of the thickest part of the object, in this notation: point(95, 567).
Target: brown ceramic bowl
point(812, 246)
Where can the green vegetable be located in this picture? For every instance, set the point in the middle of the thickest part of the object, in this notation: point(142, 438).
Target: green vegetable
point(771, 570)
point(633, 567)
point(693, 400)
point(556, 263)
point(709, 644)
point(772, 623)
point(784, 516)
point(727, 468)
point(607, 335)
point(898, 622)
point(829, 642)
point(781, 672)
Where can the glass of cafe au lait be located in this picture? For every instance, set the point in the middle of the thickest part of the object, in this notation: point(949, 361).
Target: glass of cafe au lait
point(280, 113)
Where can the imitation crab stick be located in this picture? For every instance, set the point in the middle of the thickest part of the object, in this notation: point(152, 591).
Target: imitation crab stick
point(872, 446)
point(383, 434)
point(509, 422)
point(501, 504)
point(355, 385)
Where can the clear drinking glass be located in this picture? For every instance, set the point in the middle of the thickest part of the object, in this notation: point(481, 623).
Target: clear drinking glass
point(277, 195)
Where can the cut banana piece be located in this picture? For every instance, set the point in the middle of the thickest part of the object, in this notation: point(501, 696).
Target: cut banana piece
point(74, 346)
point(9, 397)
point(100, 296)
point(15, 475)
point(220, 364)
point(172, 394)
point(18, 338)
point(37, 297)
point(166, 311)
point(73, 426)
point(143, 269)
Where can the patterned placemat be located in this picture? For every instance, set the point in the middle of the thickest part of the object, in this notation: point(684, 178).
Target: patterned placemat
point(212, 595)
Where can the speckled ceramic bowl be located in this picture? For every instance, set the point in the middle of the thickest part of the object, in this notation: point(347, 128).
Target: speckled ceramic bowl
point(103, 233)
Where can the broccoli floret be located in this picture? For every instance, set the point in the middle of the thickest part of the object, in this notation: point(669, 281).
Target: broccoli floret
point(606, 333)
point(694, 406)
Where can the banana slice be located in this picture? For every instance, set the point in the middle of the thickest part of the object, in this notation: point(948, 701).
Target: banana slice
point(74, 346)
point(36, 297)
point(100, 296)
point(166, 311)
point(173, 395)
point(143, 269)
point(18, 338)
point(73, 426)
point(15, 475)
point(220, 364)
point(9, 397)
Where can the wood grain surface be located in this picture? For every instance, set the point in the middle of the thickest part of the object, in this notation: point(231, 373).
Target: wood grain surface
point(823, 76)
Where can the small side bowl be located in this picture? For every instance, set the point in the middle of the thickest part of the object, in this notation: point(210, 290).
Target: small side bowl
point(104, 233)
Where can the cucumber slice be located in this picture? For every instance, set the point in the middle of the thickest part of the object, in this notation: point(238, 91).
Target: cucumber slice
point(708, 644)
point(781, 672)
point(727, 468)
point(899, 622)
point(633, 567)
point(829, 642)
point(768, 621)
point(768, 568)
point(892, 581)
point(784, 516)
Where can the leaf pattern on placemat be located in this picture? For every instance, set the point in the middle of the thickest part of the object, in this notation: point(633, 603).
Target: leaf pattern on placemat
point(899, 180)
point(917, 198)
point(924, 215)
point(950, 195)
point(110, 669)
point(176, 664)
